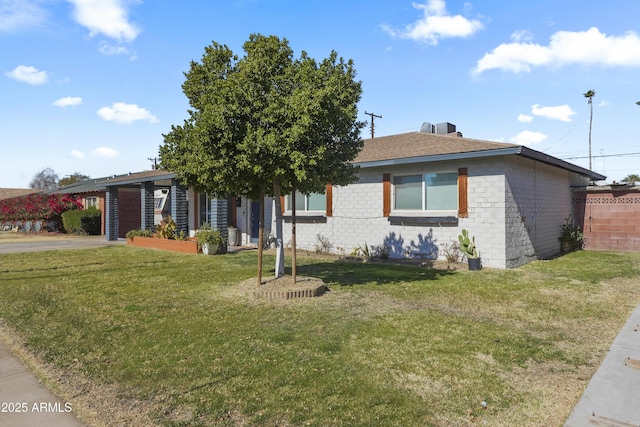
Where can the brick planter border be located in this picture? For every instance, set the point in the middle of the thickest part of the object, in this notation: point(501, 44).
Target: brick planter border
point(183, 246)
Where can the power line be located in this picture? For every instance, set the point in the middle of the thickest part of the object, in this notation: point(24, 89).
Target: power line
point(603, 155)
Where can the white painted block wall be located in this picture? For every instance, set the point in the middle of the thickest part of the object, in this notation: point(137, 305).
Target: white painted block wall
point(358, 218)
point(516, 208)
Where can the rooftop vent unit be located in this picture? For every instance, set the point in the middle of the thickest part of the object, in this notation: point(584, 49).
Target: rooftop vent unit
point(439, 129)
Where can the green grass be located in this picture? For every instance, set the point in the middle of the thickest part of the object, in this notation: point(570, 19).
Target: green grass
point(388, 345)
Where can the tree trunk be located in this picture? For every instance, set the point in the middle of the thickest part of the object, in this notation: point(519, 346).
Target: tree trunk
point(261, 236)
point(279, 246)
point(293, 234)
point(590, 124)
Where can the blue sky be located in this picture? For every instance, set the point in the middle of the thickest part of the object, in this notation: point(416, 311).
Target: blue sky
point(90, 86)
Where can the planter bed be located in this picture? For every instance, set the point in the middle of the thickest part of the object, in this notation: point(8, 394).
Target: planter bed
point(184, 246)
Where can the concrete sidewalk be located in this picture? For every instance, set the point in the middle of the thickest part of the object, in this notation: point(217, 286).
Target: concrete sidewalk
point(612, 397)
point(25, 402)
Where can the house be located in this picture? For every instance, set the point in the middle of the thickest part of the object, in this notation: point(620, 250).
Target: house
point(418, 190)
point(10, 193)
point(151, 194)
point(89, 192)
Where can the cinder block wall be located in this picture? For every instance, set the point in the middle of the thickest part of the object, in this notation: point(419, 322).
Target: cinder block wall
point(358, 216)
point(538, 200)
point(609, 217)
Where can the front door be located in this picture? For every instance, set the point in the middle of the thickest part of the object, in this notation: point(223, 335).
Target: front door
point(255, 221)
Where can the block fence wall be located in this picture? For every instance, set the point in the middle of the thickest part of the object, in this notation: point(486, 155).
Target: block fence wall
point(609, 217)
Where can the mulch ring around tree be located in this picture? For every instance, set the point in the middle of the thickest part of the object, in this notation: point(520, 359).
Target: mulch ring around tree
point(283, 288)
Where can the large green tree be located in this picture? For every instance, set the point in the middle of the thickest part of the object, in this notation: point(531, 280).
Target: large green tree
point(266, 123)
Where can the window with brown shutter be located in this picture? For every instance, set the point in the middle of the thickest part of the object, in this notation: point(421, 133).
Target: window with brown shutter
point(463, 209)
point(329, 194)
point(386, 194)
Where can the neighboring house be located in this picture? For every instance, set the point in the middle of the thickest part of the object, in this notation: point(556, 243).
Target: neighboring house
point(10, 193)
point(418, 190)
point(89, 192)
point(144, 194)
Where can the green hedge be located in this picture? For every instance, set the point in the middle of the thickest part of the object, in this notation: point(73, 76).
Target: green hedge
point(86, 221)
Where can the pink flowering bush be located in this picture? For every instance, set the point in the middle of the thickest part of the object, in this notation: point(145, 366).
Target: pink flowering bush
point(37, 207)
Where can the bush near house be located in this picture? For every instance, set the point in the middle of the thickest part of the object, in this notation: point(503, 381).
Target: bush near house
point(38, 207)
point(86, 221)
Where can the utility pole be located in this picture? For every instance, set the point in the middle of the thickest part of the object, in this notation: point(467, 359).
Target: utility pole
point(372, 124)
point(155, 162)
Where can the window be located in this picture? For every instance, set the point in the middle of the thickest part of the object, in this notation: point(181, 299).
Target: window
point(428, 192)
point(91, 202)
point(204, 205)
point(310, 202)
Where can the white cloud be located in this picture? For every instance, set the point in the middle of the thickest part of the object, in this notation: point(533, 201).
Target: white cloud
point(527, 137)
point(76, 154)
point(560, 112)
point(589, 47)
point(105, 152)
point(28, 74)
point(604, 104)
point(126, 113)
point(525, 118)
point(106, 17)
point(108, 49)
point(69, 101)
point(436, 24)
point(521, 36)
point(18, 14)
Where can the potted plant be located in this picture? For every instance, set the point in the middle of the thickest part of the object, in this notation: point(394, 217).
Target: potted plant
point(210, 241)
point(468, 247)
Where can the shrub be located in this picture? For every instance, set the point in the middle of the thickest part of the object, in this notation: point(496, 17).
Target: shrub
point(82, 221)
point(139, 233)
point(323, 244)
point(91, 221)
point(571, 237)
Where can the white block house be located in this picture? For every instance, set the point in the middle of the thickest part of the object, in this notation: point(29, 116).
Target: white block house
point(417, 191)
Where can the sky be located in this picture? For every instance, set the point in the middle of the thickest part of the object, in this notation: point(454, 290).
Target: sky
point(90, 86)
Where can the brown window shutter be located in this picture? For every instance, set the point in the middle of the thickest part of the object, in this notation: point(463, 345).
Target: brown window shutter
point(463, 209)
point(329, 194)
point(282, 204)
point(386, 194)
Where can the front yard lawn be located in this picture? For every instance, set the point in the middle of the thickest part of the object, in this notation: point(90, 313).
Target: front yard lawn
point(139, 337)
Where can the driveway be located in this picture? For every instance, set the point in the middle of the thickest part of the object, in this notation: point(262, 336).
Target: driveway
point(22, 243)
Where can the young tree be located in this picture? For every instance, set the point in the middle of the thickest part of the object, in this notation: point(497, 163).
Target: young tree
point(326, 137)
point(589, 95)
point(265, 123)
point(46, 179)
